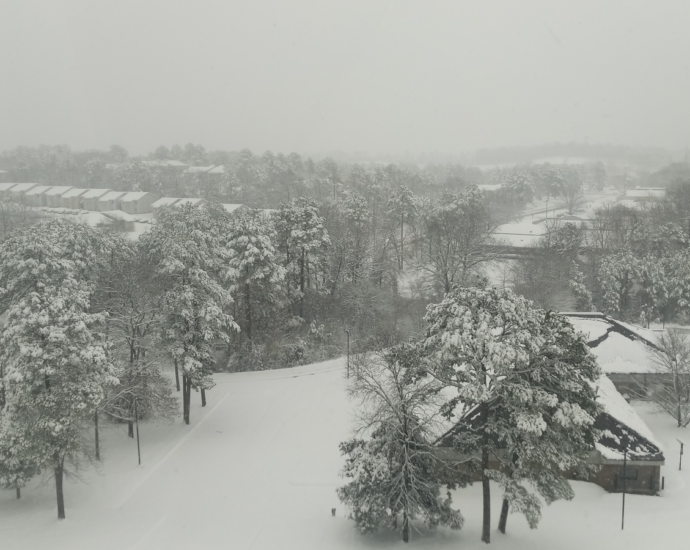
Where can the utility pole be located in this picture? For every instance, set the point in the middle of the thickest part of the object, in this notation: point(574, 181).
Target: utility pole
point(680, 461)
point(136, 420)
point(625, 463)
point(348, 352)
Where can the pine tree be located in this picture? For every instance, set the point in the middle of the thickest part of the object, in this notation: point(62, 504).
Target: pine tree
point(304, 243)
point(253, 265)
point(188, 248)
point(54, 352)
point(524, 393)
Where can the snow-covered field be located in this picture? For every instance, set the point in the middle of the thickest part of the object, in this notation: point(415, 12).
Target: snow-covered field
point(258, 468)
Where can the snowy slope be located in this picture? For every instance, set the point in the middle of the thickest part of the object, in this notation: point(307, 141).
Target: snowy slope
point(258, 469)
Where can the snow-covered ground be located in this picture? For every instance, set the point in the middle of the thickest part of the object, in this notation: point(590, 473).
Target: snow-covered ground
point(258, 468)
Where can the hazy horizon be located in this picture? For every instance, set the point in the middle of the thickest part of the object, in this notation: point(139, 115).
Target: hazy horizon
point(443, 77)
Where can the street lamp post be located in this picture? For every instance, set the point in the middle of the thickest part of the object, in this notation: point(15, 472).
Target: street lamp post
point(680, 460)
point(625, 463)
point(348, 352)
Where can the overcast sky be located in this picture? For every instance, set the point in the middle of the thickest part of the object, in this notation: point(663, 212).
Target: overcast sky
point(374, 76)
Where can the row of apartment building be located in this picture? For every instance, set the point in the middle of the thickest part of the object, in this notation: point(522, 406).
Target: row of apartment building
point(65, 196)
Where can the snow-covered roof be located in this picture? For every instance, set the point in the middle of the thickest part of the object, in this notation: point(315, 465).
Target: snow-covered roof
point(198, 169)
point(113, 195)
point(177, 163)
point(118, 215)
point(629, 431)
point(22, 187)
point(165, 201)
point(95, 193)
point(7, 186)
point(39, 189)
point(193, 201)
point(135, 196)
point(619, 347)
point(233, 207)
point(58, 189)
point(489, 186)
point(217, 170)
point(74, 193)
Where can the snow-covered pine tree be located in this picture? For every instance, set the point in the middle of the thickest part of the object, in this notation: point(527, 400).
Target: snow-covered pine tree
point(391, 465)
point(256, 274)
point(304, 242)
point(524, 393)
point(53, 350)
point(188, 246)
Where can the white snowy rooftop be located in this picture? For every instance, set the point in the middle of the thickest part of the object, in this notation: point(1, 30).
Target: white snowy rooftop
point(95, 193)
point(165, 201)
point(58, 189)
point(74, 193)
point(134, 195)
point(38, 190)
point(619, 347)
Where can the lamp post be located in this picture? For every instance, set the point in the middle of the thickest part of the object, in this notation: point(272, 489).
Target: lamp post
point(136, 420)
point(348, 352)
point(680, 461)
point(625, 463)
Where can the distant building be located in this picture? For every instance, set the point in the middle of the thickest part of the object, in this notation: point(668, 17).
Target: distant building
point(4, 189)
point(90, 199)
point(164, 201)
point(17, 192)
point(72, 198)
point(111, 201)
point(120, 219)
point(54, 194)
point(646, 193)
point(36, 196)
point(138, 202)
point(233, 207)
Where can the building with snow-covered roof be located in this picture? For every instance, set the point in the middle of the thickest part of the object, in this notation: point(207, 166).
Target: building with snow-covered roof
point(623, 351)
point(17, 192)
point(120, 219)
point(645, 193)
point(194, 201)
point(36, 196)
point(198, 169)
point(54, 194)
point(72, 198)
point(623, 433)
point(234, 207)
point(220, 169)
point(160, 203)
point(4, 189)
point(138, 202)
point(90, 199)
point(111, 201)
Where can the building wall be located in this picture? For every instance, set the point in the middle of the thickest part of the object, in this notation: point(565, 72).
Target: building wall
point(644, 479)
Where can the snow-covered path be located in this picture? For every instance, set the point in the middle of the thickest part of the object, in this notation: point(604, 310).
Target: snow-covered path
point(258, 469)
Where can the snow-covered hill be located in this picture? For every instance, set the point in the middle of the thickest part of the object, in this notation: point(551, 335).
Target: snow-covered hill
point(258, 468)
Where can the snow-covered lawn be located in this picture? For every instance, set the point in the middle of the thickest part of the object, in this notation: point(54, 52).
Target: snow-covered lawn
point(258, 468)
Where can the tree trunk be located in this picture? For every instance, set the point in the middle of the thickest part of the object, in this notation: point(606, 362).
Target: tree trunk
point(19, 492)
point(177, 376)
point(504, 516)
point(130, 429)
point(486, 493)
point(186, 397)
point(98, 447)
point(406, 528)
point(203, 397)
point(58, 488)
